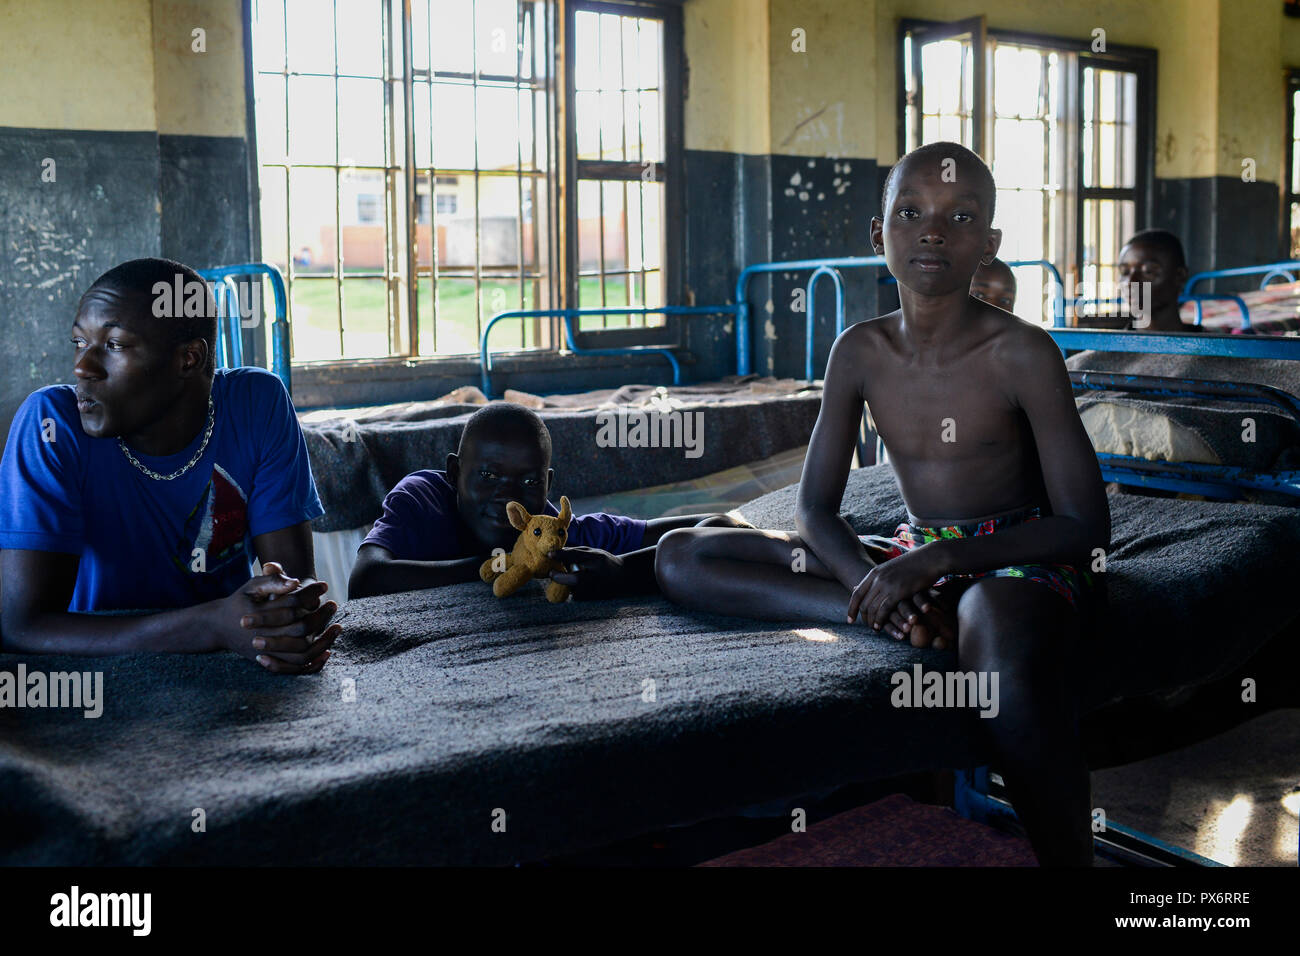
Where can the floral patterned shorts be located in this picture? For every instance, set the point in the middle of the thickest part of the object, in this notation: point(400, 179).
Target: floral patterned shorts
point(1072, 584)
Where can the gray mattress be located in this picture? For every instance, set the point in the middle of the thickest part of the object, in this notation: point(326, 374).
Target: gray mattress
point(356, 462)
point(1217, 423)
point(465, 704)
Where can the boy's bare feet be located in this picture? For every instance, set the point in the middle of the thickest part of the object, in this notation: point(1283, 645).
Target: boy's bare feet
point(927, 619)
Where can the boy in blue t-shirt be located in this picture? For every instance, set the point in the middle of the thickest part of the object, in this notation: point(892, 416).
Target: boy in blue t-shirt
point(439, 526)
point(134, 502)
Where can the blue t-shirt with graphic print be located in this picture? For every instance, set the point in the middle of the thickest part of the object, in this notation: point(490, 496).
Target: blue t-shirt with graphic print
point(147, 544)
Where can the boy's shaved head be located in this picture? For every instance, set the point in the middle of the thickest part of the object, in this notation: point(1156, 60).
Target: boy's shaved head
point(965, 164)
point(1163, 240)
point(127, 290)
point(995, 283)
point(504, 455)
point(936, 227)
point(506, 421)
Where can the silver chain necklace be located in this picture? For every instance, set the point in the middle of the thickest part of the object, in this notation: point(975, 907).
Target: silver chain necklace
point(207, 433)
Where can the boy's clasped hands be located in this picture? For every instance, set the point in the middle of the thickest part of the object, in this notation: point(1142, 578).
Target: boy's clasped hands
point(898, 597)
point(278, 621)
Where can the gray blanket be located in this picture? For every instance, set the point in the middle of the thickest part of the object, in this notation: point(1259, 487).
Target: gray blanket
point(466, 709)
point(1216, 422)
point(356, 463)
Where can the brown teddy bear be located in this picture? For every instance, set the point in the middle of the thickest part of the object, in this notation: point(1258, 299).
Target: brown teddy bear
point(538, 534)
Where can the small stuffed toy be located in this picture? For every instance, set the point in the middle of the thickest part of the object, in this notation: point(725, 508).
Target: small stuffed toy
point(538, 534)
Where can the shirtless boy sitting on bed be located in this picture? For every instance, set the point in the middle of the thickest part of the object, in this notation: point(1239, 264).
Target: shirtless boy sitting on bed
point(439, 526)
point(132, 504)
point(1003, 490)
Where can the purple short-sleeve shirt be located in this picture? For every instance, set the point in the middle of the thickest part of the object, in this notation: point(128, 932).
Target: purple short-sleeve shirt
point(419, 523)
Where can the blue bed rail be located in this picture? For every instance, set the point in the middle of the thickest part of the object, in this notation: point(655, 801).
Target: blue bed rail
point(819, 268)
point(230, 346)
point(1213, 481)
point(1287, 269)
point(568, 315)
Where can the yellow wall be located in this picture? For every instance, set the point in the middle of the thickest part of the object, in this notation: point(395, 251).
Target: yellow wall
point(1220, 89)
point(199, 94)
point(822, 98)
point(122, 65)
point(69, 64)
point(728, 100)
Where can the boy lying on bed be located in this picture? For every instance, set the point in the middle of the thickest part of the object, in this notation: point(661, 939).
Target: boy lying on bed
point(134, 502)
point(977, 413)
point(437, 527)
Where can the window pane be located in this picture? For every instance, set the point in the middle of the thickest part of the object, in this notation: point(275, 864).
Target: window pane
point(311, 119)
point(311, 37)
point(365, 327)
point(611, 126)
point(587, 120)
point(498, 140)
point(269, 112)
point(315, 323)
point(312, 223)
point(268, 35)
point(361, 123)
point(452, 36)
point(361, 48)
point(651, 128)
point(423, 124)
point(615, 227)
point(586, 63)
point(1018, 73)
point(422, 43)
point(941, 65)
point(453, 109)
point(499, 221)
point(456, 316)
point(611, 59)
point(274, 210)
point(649, 51)
point(497, 32)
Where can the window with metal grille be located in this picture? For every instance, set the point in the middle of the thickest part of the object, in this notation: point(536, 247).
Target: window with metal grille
point(361, 106)
point(617, 138)
point(412, 168)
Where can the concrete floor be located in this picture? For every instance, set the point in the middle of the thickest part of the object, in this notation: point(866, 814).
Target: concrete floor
point(1234, 798)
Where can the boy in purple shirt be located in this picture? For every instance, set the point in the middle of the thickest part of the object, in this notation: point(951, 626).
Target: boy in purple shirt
point(439, 526)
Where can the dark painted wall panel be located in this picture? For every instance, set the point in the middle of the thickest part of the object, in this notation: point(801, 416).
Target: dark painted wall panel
point(57, 237)
point(204, 196)
point(1222, 221)
point(821, 207)
point(745, 209)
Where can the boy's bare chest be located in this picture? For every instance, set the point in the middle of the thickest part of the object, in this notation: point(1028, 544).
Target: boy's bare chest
point(959, 412)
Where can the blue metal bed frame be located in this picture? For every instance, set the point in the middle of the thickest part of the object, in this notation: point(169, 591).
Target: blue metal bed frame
point(1287, 269)
point(230, 345)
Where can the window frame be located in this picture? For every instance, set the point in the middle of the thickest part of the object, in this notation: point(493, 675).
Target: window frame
point(560, 193)
point(1289, 187)
point(673, 99)
point(1140, 60)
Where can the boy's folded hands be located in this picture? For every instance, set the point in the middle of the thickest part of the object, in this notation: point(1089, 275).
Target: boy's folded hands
point(279, 622)
point(898, 597)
